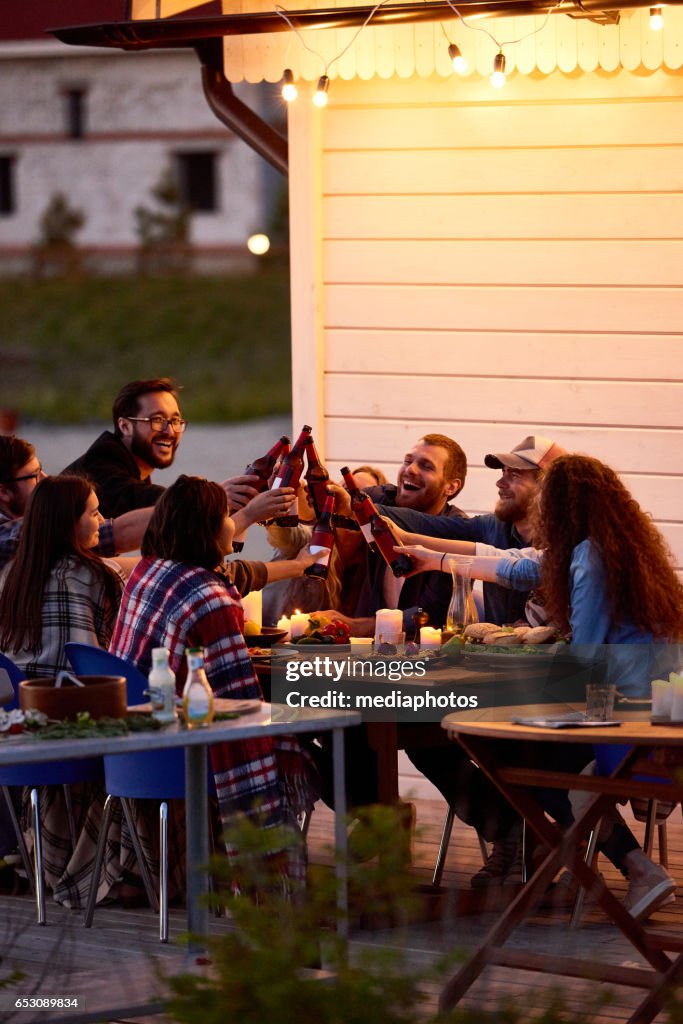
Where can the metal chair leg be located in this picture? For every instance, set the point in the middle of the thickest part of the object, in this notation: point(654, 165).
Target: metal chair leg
point(37, 857)
point(591, 853)
point(163, 871)
point(70, 815)
point(99, 858)
point(443, 847)
point(663, 841)
point(648, 841)
point(142, 861)
point(23, 852)
point(305, 822)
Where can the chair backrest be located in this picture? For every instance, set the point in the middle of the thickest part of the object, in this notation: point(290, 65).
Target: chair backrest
point(93, 661)
point(10, 677)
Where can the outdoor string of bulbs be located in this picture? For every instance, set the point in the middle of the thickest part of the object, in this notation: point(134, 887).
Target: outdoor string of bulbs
point(320, 96)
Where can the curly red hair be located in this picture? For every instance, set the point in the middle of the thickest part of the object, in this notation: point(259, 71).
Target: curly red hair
point(581, 497)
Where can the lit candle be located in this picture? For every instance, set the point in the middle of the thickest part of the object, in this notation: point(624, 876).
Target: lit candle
point(298, 626)
point(388, 622)
point(430, 638)
point(252, 603)
point(285, 623)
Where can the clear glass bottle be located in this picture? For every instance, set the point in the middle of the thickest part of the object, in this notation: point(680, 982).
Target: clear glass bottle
point(197, 694)
point(162, 689)
point(462, 610)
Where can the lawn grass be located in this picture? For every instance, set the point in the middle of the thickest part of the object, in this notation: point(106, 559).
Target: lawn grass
point(66, 347)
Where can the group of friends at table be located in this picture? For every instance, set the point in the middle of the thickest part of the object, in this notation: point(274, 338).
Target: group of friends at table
point(566, 544)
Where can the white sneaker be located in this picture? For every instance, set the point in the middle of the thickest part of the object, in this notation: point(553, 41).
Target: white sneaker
point(648, 892)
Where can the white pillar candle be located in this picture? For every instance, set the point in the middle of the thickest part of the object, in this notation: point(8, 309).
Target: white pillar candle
point(430, 638)
point(298, 626)
point(662, 694)
point(252, 603)
point(388, 622)
point(676, 681)
point(285, 623)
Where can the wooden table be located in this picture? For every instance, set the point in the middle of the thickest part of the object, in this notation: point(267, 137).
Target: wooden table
point(657, 751)
point(270, 720)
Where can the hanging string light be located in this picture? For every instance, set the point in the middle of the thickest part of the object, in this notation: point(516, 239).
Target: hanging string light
point(320, 95)
point(656, 19)
point(498, 74)
point(289, 90)
point(457, 60)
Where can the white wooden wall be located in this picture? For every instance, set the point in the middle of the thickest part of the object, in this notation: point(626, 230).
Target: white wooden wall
point(490, 264)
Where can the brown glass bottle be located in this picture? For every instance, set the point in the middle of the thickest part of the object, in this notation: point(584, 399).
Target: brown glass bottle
point(316, 476)
point(264, 466)
point(322, 542)
point(361, 506)
point(289, 473)
point(400, 564)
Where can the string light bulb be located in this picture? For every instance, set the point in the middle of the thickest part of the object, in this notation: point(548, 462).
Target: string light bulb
point(656, 19)
point(320, 94)
point(498, 75)
point(457, 60)
point(289, 90)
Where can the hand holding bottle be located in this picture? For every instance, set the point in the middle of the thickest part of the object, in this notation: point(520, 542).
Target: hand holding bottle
point(268, 505)
point(241, 489)
point(424, 559)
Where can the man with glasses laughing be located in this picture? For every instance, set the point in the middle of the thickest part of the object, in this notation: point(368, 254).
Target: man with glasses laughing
point(147, 430)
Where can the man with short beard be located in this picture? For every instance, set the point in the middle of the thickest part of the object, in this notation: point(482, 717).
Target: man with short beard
point(510, 525)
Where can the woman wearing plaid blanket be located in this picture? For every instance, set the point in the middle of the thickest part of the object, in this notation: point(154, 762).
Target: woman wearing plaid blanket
point(176, 598)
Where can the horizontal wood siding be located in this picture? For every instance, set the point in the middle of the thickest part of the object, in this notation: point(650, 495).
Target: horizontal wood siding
point(499, 264)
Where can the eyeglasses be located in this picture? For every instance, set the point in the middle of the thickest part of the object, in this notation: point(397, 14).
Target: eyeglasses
point(158, 423)
point(35, 475)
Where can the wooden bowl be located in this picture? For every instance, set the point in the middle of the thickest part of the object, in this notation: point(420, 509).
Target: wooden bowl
point(102, 696)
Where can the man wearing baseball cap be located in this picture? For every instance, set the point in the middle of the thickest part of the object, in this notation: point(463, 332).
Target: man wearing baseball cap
point(509, 526)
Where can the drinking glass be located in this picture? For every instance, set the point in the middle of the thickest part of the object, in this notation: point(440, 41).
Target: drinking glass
point(462, 610)
point(600, 701)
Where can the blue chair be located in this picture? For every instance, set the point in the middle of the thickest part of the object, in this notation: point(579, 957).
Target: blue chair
point(33, 776)
point(158, 775)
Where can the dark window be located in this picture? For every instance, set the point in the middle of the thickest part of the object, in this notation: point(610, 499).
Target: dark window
point(75, 112)
point(7, 188)
point(197, 180)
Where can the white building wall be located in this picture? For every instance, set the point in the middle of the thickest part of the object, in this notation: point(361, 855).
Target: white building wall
point(491, 264)
point(141, 108)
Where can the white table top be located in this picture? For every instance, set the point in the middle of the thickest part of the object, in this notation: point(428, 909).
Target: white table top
point(271, 720)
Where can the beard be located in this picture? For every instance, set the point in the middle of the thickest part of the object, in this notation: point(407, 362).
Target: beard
point(146, 452)
point(512, 510)
point(16, 506)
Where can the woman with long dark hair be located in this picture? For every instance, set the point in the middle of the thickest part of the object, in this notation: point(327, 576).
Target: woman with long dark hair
point(177, 598)
point(56, 589)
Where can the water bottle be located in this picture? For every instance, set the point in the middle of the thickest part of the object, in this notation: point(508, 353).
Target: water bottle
point(162, 687)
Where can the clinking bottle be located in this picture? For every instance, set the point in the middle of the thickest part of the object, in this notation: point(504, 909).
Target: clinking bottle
point(375, 530)
point(289, 473)
point(262, 468)
point(322, 542)
point(197, 694)
point(316, 476)
point(162, 687)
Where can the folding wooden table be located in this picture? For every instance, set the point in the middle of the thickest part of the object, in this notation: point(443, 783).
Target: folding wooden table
point(654, 769)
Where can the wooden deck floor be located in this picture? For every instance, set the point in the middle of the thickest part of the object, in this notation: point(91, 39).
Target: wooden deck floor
point(116, 963)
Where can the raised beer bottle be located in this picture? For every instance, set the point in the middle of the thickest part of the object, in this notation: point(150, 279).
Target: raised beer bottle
point(263, 467)
point(400, 564)
point(361, 505)
point(322, 541)
point(316, 477)
point(289, 473)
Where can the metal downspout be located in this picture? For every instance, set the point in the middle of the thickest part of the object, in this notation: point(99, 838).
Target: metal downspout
point(237, 116)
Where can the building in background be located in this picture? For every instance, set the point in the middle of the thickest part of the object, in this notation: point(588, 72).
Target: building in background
point(103, 128)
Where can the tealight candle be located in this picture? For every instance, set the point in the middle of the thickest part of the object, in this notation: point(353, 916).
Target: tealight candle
point(388, 621)
point(298, 626)
point(430, 638)
point(285, 623)
point(252, 603)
